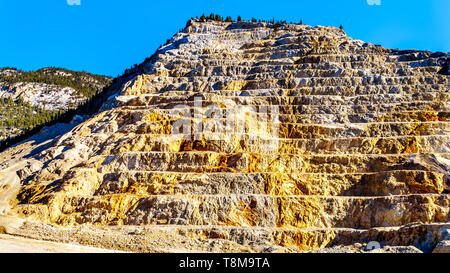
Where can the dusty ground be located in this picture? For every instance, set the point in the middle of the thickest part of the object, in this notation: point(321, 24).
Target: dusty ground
point(13, 244)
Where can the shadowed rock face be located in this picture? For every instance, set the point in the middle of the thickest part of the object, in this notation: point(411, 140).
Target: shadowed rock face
point(351, 144)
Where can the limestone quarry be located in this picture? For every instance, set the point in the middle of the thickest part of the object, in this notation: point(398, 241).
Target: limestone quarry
point(248, 137)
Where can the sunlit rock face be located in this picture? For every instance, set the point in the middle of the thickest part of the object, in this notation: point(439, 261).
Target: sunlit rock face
point(259, 137)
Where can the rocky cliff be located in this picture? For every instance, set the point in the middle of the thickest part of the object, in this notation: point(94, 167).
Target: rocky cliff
point(244, 136)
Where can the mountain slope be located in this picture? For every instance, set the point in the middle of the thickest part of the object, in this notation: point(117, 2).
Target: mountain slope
point(331, 141)
point(31, 99)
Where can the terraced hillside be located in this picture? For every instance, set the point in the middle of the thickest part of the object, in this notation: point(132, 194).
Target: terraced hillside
point(340, 142)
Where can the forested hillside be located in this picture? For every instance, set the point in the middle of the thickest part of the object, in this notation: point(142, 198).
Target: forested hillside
point(85, 83)
point(29, 100)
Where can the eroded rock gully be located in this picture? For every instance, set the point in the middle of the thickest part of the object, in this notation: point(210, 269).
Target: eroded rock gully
point(356, 148)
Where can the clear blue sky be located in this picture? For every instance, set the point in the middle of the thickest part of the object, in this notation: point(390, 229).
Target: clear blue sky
point(107, 36)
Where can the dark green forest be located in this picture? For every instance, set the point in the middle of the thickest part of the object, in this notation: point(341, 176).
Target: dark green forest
point(22, 115)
